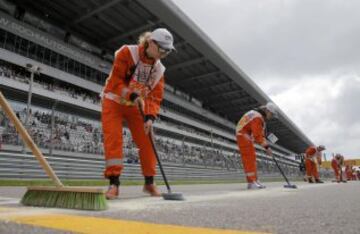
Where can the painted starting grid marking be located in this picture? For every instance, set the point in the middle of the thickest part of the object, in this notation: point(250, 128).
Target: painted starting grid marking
point(8, 200)
point(95, 225)
point(75, 220)
point(64, 220)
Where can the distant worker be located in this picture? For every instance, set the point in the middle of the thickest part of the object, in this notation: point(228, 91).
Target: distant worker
point(312, 156)
point(349, 172)
point(136, 80)
point(354, 173)
point(249, 130)
point(336, 164)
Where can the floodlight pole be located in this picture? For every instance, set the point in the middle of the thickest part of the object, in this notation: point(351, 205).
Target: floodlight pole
point(33, 70)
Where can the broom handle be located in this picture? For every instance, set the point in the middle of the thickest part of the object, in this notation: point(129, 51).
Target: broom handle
point(29, 142)
point(281, 171)
point(152, 141)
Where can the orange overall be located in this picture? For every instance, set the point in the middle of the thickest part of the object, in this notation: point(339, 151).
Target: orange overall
point(311, 155)
point(349, 172)
point(250, 128)
point(132, 72)
point(335, 164)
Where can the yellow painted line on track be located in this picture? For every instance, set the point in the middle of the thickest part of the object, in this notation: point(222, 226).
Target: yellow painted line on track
point(6, 209)
point(94, 225)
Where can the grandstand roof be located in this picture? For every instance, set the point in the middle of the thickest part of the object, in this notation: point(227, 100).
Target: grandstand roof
point(199, 68)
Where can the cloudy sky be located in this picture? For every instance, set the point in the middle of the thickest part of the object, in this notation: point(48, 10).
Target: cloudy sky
point(304, 54)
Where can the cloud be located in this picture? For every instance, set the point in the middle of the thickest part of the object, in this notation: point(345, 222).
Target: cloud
point(325, 108)
point(304, 54)
point(282, 37)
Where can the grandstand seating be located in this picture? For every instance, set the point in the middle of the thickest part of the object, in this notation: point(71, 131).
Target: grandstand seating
point(202, 140)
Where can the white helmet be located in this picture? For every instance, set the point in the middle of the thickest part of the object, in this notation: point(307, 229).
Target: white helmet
point(272, 108)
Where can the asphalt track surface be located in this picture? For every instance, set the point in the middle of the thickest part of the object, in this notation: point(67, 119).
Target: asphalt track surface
point(216, 208)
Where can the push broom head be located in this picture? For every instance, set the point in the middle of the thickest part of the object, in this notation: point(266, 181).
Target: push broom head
point(173, 196)
point(65, 197)
point(292, 186)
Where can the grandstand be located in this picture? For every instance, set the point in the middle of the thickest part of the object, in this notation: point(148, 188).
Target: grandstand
point(72, 44)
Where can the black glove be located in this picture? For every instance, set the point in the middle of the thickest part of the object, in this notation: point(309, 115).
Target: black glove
point(133, 96)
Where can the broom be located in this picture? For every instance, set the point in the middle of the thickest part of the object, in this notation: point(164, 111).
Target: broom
point(58, 196)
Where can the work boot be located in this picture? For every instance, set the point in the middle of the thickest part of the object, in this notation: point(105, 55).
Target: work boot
point(260, 185)
point(253, 186)
point(112, 193)
point(152, 190)
point(311, 180)
point(318, 181)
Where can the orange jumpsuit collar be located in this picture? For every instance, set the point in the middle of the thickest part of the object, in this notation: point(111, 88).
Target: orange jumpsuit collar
point(143, 56)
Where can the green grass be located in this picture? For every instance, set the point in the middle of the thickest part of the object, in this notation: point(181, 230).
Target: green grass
point(38, 182)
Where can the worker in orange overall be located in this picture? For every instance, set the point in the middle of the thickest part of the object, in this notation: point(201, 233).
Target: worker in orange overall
point(249, 130)
point(336, 164)
point(349, 172)
point(136, 81)
point(312, 156)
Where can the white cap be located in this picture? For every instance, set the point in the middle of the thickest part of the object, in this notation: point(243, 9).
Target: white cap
point(272, 108)
point(164, 38)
